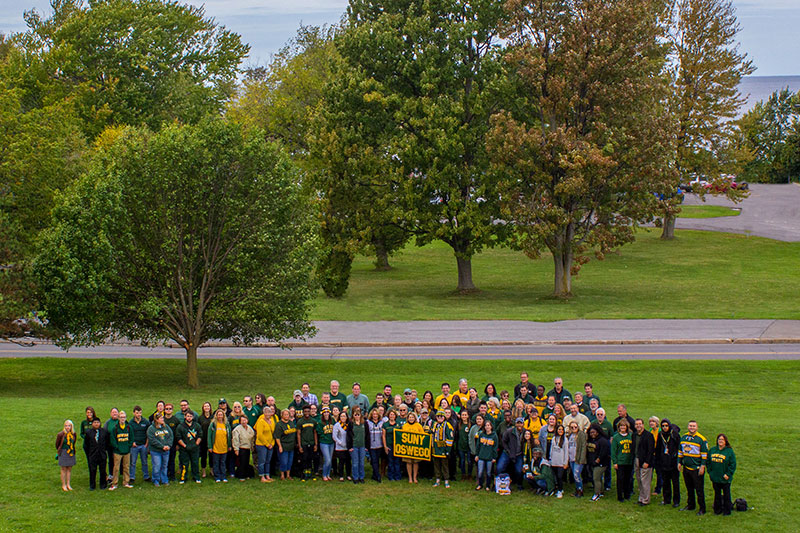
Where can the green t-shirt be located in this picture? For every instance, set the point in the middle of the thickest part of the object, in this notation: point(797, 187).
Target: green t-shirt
point(339, 400)
point(307, 428)
point(285, 432)
point(359, 436)
point(325, 431)
point(389, 429)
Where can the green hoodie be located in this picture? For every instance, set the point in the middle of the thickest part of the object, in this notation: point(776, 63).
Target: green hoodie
point(122, 438)
point(720, 463)
point(487, 446)
point(159, 437)
point(212, 428)
point(621, 448)
point(188, 434)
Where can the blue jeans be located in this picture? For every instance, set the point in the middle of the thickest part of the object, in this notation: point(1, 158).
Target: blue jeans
point(285, 459)
point(503, 464)
point(137, 451)
point(327, 459)
point(263, 457)
point(576, 473)
point(484, 472)
point(465, 462)
point(375, 461)
point(160, 460)
point(357, 457)
point(218, 465)
point(394, 472)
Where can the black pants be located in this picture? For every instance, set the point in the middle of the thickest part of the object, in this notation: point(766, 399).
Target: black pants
point(188, 459)
point(624, 482)
point(307, 460)
point(243, 468)
point(722, 498)
point(204, 455)
point(342, 463)
point(230, 463)
point(670, 487)
point(171, 464)
point(452, 463)
point(694, 485)
point(95, 464)
point(110, 453)
point(558, 474)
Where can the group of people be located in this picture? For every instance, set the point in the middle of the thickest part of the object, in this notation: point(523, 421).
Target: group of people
point(543, 440)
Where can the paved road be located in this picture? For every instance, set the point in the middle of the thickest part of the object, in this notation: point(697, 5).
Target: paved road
point(771, 211)
point(540, 352)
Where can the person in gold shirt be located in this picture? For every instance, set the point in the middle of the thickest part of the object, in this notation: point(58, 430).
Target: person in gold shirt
point(219, 440)
point(265, 442)
point(412, 465)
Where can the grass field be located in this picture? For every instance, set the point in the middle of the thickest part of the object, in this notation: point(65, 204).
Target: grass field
point(749, 277)
point(707, 211)
point(752, 402)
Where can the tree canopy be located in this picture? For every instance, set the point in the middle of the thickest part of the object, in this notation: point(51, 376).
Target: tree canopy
point(593, 142)
point(190, 233)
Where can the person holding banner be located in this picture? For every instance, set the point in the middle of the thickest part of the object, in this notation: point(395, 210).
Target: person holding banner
point(442, 444)
point(412, 465)
point(487, 446)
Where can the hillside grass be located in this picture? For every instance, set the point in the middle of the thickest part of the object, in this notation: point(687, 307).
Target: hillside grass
point(697, 275)
point(748, 400)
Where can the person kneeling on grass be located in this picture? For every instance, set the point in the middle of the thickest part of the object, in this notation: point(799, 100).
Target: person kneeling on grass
point(189, 436)
point(442, 433)
point(486, 457)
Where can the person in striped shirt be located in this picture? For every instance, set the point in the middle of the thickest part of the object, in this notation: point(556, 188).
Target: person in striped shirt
point(692, 460)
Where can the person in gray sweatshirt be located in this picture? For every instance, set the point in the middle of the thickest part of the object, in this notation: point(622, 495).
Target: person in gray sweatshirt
point(558, 457)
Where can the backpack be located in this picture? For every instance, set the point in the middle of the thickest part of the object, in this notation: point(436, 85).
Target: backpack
point(740, 504)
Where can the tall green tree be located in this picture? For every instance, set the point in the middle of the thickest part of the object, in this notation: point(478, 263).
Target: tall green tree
point(133, 62)
point(584, 156)
point(40, 155)
point(434, 69)
point(707, 68)
point(191, 233)
point(771, 133)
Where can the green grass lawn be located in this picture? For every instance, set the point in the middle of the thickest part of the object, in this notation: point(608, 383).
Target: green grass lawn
point(698, 275)
point(752, 402)
point(707, 211)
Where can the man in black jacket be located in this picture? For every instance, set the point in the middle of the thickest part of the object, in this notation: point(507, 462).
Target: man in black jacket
point(95, 445)
point(643, 456)
point(511, 459)
point(667, 444)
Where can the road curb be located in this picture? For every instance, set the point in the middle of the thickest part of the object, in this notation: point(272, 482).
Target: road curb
point(353, 344)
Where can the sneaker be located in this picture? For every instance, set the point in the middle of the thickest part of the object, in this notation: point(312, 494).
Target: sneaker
point(112, 487)
point(595, 497)
point(476, 488)
point(216, 481)
point(437, 483)
point(181, 482)
point(198, 480)
point(447, 484)
point(225, 480)
point(559, 494)
point(128, 486)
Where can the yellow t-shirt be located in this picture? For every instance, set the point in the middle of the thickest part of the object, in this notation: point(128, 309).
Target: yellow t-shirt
point(220, 438)
point(534, 426)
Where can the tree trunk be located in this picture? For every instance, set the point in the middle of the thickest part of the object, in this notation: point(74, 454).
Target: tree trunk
point(191, 366)
point(562, 286)
point(668, 228)
point(381, 257)
point(465, 275)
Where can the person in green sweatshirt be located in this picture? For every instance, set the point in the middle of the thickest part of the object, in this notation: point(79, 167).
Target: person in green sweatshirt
point(159, 439)
point(622, 459)
point(692, 461)
point(721, 466)
point(188, 437)
point(487, 446)
point(121, 437)
point(286, 436)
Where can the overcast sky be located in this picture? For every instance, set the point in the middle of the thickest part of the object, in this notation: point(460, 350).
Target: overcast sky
point(770, 28)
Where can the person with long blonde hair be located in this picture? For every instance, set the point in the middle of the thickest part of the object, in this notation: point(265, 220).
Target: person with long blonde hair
point(65, 447)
